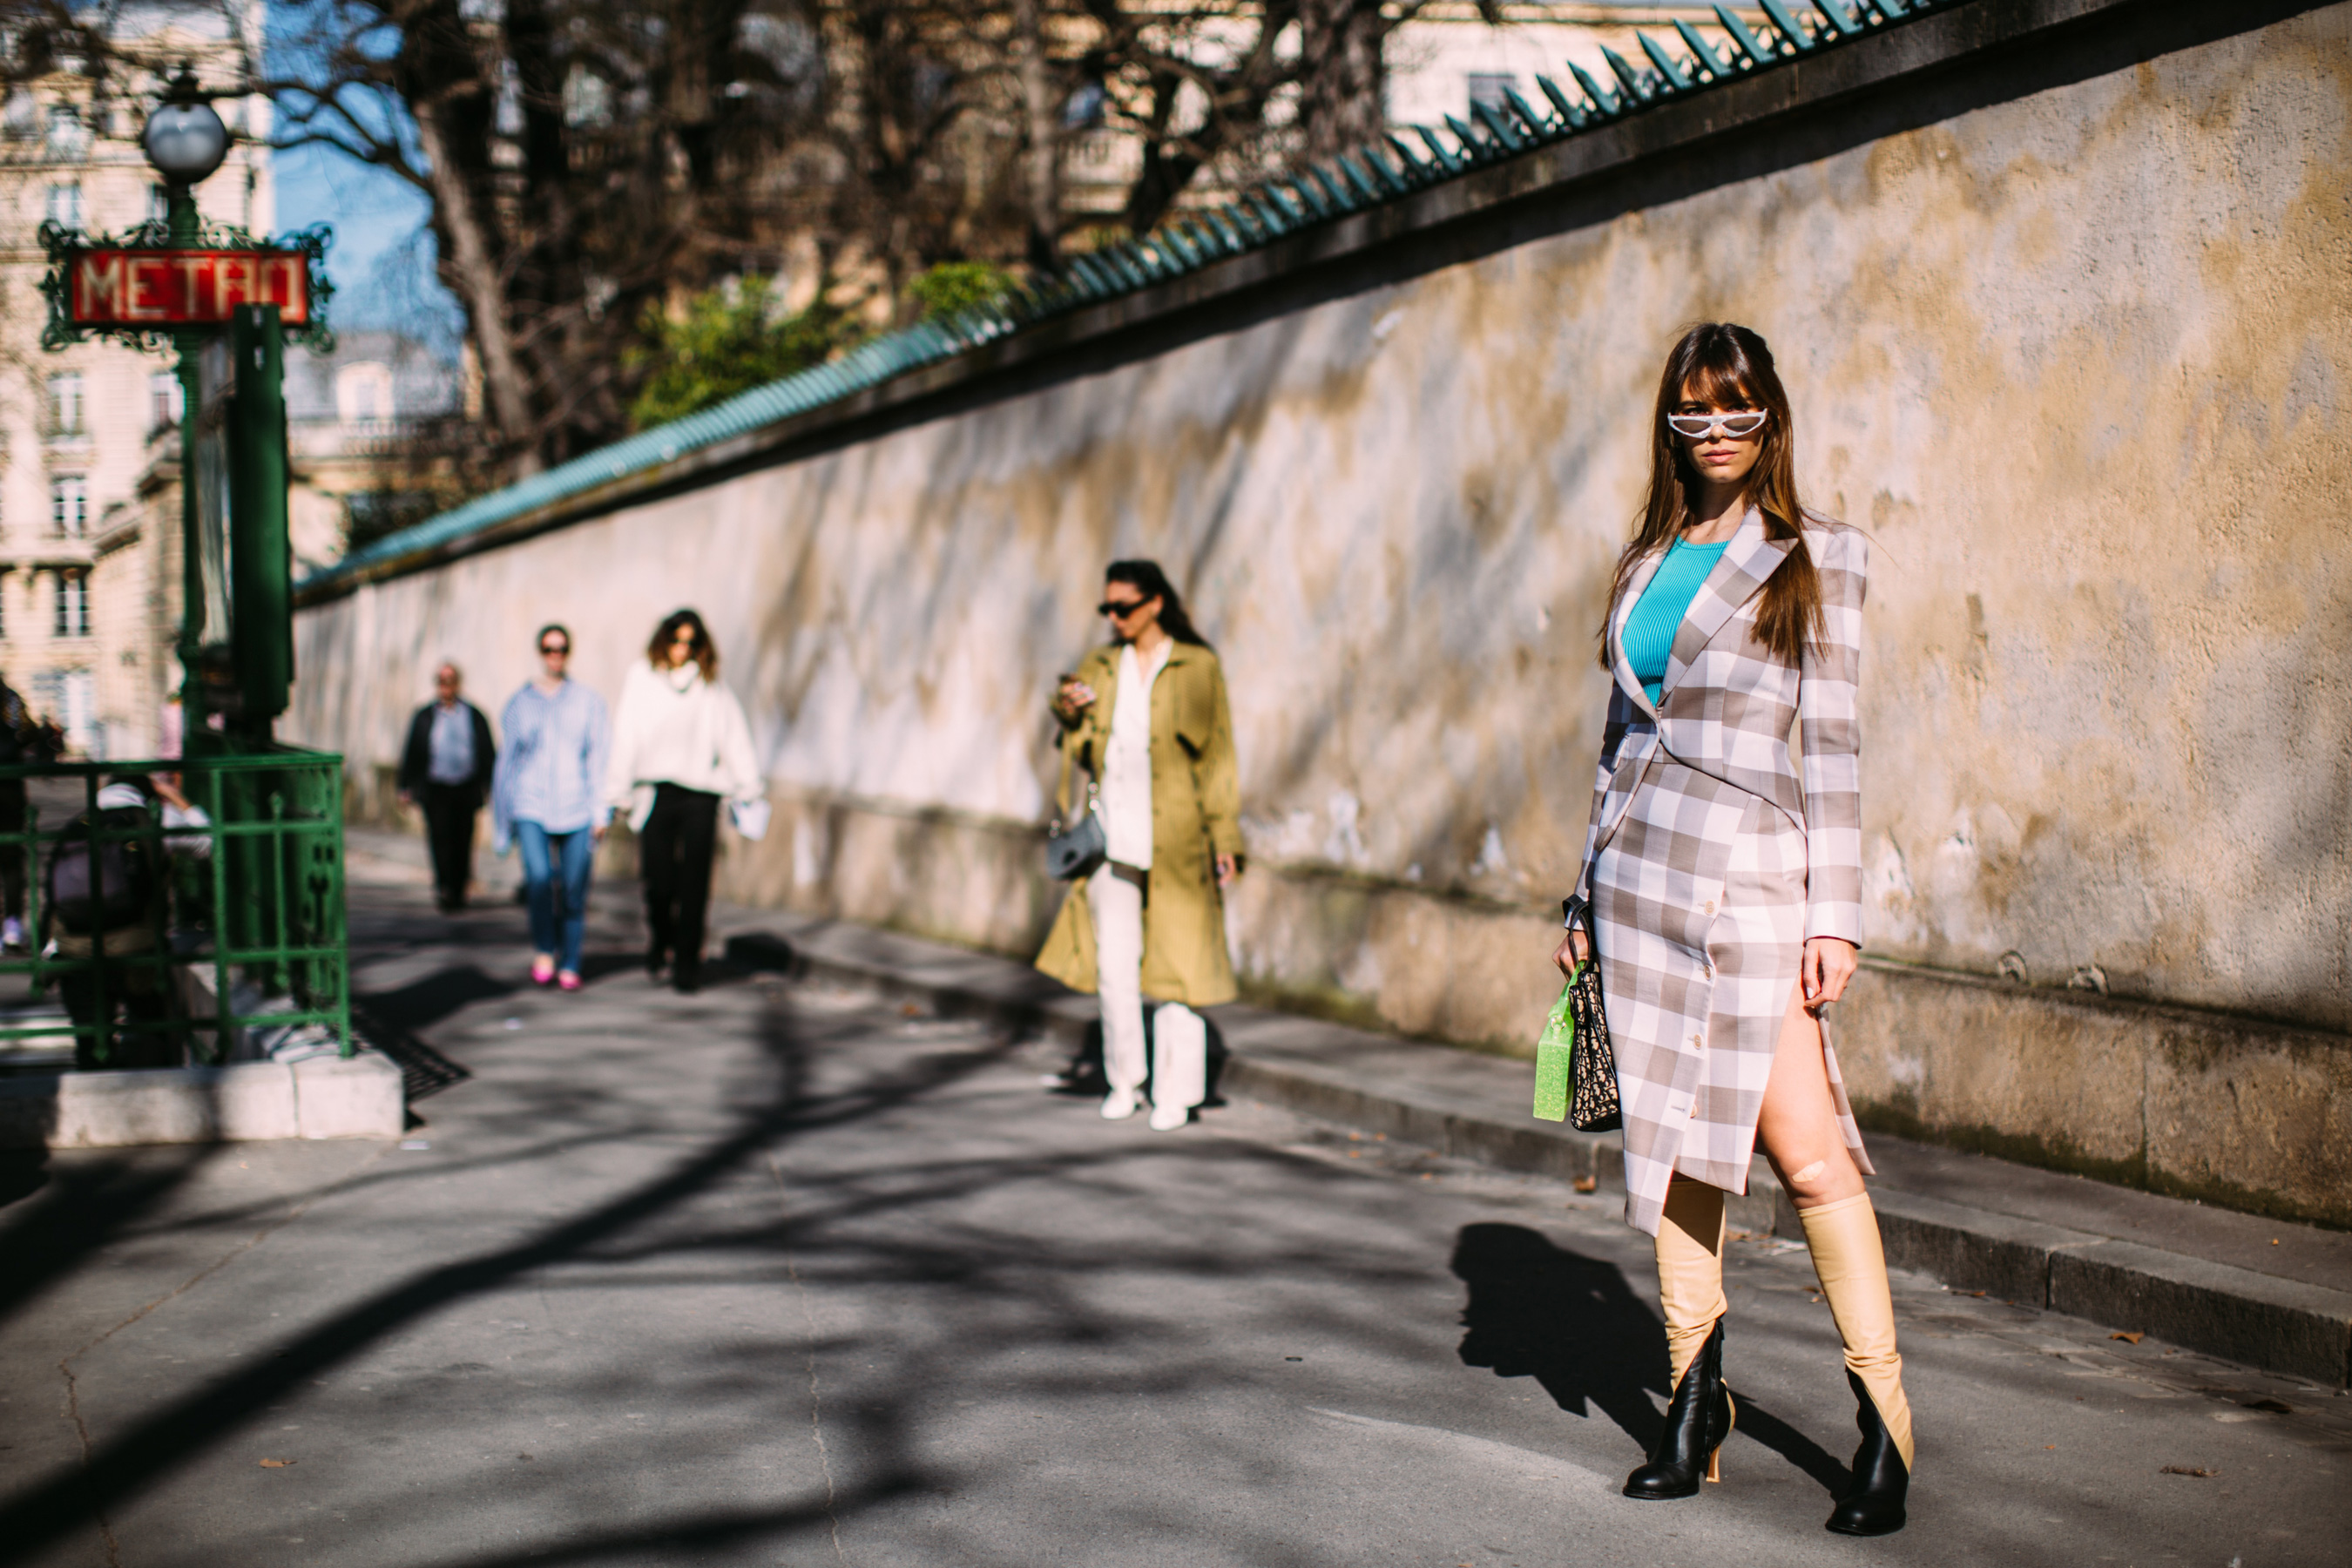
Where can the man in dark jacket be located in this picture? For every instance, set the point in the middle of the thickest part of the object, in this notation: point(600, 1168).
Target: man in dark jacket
point(445, 768)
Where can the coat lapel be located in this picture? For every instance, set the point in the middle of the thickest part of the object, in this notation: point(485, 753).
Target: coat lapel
point(1644, 571)
point(1747, 562)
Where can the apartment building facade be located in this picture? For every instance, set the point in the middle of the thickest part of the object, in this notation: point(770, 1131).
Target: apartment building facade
point(79, 425)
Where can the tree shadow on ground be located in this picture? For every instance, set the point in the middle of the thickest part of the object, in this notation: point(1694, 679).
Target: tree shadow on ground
point(429, 998)
point(146, 1450)
point(1573, 1324)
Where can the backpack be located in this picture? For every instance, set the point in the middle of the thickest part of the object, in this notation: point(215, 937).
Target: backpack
point(105, 885)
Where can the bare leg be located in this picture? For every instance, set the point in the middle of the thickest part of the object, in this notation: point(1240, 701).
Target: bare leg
point(1798, 1129)
point(1798, 1126)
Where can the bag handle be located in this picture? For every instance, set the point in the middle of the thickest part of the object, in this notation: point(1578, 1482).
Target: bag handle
point(1062, 790)
point(1576, 914)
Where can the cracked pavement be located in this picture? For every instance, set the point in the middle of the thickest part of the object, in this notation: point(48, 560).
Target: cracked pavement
point(787, 1273)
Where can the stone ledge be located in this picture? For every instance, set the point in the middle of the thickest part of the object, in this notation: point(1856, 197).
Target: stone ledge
point(327, 1096)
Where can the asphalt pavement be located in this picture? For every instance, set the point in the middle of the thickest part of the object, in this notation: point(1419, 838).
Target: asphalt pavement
point(797, 1272)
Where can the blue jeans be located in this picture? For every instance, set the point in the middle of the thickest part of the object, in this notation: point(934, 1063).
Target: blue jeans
point(542, 853)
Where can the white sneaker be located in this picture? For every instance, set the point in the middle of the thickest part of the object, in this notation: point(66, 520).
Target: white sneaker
point(1168, 1118)
point(1120, 1104)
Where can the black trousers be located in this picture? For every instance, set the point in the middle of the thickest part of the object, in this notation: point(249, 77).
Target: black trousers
point(449, 814)
point(139, 997)
point(674, 856)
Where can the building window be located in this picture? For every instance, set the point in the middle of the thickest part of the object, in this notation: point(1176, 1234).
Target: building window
point(64, 206)
point(363, 392)
point(66, 404)
point(162, 400)
point(1489, 88)
point(67, 138)
point(69, 506)
point(73, 605)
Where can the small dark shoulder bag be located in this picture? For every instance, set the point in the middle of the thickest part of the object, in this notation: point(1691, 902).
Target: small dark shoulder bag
point(1582, 1086)
point(1076, 850)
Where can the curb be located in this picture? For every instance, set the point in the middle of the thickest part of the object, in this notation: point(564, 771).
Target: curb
point(2276, 1324)
point(324, 1097)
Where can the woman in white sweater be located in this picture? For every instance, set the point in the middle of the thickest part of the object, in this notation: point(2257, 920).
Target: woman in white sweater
point(679, 747)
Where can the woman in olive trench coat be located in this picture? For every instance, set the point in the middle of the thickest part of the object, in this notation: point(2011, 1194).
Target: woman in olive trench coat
point(1195, 831)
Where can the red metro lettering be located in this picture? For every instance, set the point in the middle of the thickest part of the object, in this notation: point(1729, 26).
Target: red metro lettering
point(117, 287)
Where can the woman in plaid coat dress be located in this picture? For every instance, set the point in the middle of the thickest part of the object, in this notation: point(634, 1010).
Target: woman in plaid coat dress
point(1726, 884)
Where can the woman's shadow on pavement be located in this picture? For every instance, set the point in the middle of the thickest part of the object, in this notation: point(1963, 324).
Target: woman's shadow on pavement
point(1573, 1324)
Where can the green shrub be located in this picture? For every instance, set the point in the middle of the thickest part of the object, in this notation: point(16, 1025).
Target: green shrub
point(728, 343)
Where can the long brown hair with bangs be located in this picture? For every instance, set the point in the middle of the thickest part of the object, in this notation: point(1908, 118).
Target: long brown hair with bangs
point(1731, 367)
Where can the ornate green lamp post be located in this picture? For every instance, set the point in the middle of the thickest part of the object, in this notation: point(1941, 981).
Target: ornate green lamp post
point(228, 302)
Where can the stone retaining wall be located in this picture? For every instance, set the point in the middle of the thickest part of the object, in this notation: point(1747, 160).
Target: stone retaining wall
point(2068, 331)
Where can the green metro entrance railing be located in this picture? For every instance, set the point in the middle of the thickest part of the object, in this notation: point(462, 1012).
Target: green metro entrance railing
point(239, 934)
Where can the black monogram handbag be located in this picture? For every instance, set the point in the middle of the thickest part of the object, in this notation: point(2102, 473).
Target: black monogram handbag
point(1576, 1070)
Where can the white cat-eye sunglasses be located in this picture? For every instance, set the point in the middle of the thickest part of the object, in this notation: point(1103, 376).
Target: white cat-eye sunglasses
point(1745, 422)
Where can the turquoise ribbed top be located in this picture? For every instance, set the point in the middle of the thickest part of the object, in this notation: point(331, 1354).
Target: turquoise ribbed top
point(1649, 638)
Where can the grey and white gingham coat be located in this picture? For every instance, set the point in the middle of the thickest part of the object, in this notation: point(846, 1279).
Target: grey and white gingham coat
point(1712, 857)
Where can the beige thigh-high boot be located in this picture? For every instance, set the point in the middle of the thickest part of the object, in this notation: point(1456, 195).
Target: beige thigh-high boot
point(1690, 1269)
point(1852, 1266)
point(1690, 1298)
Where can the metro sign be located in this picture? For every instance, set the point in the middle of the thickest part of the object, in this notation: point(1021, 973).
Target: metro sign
point(150, 289)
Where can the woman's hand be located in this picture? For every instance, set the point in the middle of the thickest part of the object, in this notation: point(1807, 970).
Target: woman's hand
point(1829, 963)
point(1571, 952)
point(1228, 868)
point(1072, 698)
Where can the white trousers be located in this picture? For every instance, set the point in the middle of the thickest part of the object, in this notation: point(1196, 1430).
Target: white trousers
point(1179, 1063)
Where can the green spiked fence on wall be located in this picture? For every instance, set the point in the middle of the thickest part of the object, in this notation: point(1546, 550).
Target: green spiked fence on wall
point(1373, 175)
point(256, 918)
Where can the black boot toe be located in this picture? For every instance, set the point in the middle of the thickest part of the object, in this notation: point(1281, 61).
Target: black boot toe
point(1873, 1504)
point(1697, 1421)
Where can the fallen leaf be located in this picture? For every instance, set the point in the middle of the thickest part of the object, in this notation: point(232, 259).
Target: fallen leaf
point(2187, 1471)
point(2129, 1336)
point(1355, 1153)
point(275, 1464)
point(910, 1010)
point(2048, 1447)
point(1427, 1176)
point(1588, 1184)
point(522, 1456)
point(1977, 1294)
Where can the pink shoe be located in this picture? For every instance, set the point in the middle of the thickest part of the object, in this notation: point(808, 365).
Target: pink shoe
point(542, 970)
point(567, 981)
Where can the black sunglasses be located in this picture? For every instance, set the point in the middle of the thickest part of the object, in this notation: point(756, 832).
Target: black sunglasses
point(555, 647)
point(1114, 607)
